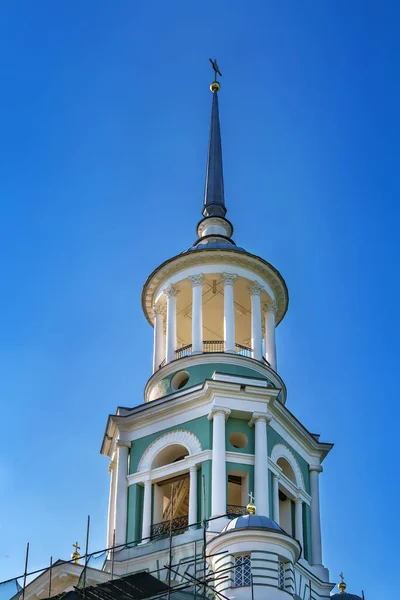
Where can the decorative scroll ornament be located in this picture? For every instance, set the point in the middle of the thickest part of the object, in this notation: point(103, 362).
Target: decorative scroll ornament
point(196, 280)
point(170, 291)
point(271, 307)
point(228, 278)
point(256, 289)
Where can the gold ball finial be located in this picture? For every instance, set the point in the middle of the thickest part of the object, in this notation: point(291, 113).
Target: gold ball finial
point(215, 87)
point(342, 586)
point(251, 507)
point(75, 555)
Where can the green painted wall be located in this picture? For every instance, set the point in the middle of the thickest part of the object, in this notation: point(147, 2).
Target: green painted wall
point(242, 425)
point(135, 507)
point(275, 438)
point(201, 428)
point(199, 373)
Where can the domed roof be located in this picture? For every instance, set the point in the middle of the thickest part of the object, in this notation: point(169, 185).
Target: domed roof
point(345, 596)
point(253, 522)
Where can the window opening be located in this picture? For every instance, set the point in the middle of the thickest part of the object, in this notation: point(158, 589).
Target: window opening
point(242, 570)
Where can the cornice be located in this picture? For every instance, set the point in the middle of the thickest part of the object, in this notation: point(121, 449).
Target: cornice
point(230, 256)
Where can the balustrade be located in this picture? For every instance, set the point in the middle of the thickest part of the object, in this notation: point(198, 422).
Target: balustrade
point(174, 526)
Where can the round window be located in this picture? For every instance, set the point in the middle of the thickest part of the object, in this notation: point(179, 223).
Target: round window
point(179, 380)
point(238, 440)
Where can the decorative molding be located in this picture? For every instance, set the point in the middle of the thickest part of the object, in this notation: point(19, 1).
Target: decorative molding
point(170, 291)
point(271, 307)
point(215, 410)
point(181, 436)
point(317, 468)
point(158, 310)
point(255, 289)
point(196, 280)
point(260, 416)
point(282, 451)
point(228, 278)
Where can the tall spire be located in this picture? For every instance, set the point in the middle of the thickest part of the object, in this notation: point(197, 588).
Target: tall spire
point(214, 200)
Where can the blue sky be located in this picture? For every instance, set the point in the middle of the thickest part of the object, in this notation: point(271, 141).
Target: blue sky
point(105, 113)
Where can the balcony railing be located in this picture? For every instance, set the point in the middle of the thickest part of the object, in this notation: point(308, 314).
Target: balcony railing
point(235, 510)
point(211, 346)
point(177, 525)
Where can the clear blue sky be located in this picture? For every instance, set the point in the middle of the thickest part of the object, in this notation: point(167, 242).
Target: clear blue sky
point(104, 124)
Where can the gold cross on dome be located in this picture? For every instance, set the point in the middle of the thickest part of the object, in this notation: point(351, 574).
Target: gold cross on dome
point(341, 577)
point(216, 68)
point(251, 498)
point(76, 546)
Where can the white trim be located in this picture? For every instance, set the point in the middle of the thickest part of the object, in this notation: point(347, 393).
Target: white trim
point(282, 451)
point(167, 471)
point(181, 436)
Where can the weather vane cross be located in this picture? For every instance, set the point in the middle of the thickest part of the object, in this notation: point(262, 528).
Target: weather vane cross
point(216, 68)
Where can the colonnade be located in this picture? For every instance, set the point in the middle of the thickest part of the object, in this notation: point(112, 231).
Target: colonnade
point(165, 346)
point(219, 415)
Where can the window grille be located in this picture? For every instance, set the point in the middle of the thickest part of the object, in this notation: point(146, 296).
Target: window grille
point(242, 570)
point(281, 575)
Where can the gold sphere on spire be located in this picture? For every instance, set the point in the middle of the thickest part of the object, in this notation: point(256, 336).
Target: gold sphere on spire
point(342, 586)
point(215, 87)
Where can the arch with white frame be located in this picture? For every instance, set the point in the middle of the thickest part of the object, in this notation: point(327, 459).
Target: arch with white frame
point(180, 437)
point(282, 451)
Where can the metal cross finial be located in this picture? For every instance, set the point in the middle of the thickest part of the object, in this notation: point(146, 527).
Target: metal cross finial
point(216, 68)
point(251, 498)
point(341, 577)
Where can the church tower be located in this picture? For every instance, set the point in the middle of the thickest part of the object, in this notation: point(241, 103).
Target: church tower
point(213, 468)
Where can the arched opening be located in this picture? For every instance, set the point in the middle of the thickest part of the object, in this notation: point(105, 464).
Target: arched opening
point(171, 495)
point(287, 469)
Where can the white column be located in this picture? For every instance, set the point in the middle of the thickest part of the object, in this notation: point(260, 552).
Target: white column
point(218, 478)
point(316, 547)
point(159, 351)
point(146, 523)
point(171, 293)
point(121, 496)
point(229, 311)
point(193, 496)
point(299, 521)
point(275, 497)
point(197, 312)
point(260, 421)
point(111, 506)
point(256, 332)
point(269, 340)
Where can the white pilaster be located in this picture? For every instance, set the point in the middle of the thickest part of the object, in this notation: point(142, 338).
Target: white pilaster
point(260, 421)
point(229, 311)
point(299, 521)
point(269, 340)
point(146, 524)
point(121, 496)
point(197, 312)
point(316, 546)
point(111, 506)
point(256, 332)
point(193, 496)
point(159, 348)
point(219, 415)
point(171, 292)
point(275, 497)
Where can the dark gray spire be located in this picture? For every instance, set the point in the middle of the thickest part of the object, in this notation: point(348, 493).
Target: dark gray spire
point(214, 200)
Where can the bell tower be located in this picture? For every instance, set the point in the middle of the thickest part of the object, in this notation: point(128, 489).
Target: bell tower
point(214, 429)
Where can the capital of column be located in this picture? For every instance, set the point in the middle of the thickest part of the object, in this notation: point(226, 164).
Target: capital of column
point(271, 307)
point(170, 291)
point(260, 416)
point(298, 500)
point(193, 469)
point(255, 289)
point(196, 280)
point(316, 468)
point(123, 444)
point(215, 410)
point(228, 278)
point(158, 310)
